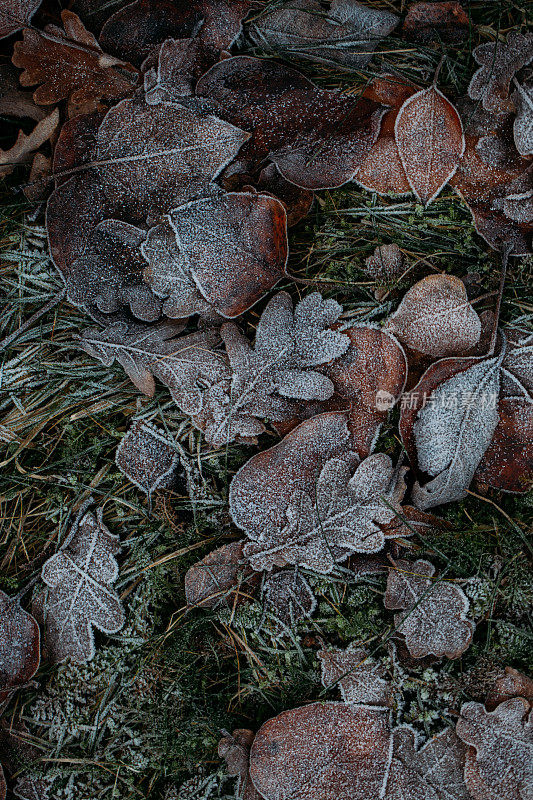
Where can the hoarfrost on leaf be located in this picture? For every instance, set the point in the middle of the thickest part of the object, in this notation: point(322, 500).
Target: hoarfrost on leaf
point(147, 457)
point(217, 578)
point(14, 15)
point(288, 599)
point(359, 678)
point(19, 646)
point(523, 124)
point(499, 62)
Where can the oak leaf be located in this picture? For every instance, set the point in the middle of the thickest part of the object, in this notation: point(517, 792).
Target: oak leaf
point(16, 14)
point(359, 678)
point(511, 683)
point(14, 101)
point(435, 620)
point(179, 65)
point(26, 144)
point(499, 61)
point(28, 788)
point(19, 646)
point(80, 596)
point(147, 457)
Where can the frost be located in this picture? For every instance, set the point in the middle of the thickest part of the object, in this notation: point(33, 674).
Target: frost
point(14, 15)
point(435, 621)
point(386, 262)
point(288, 599)
point(147, 457)
point(499, 62)
point(358, 677)
point(234, 748)
point(19, 646)
point(523, 124)
point(217, 578)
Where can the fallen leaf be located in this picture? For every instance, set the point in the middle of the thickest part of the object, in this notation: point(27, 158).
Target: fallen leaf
point(436, 318)
point(69, 65)
point(499, 61)
point(323, 751)
point(317, 139)
point(16, 14)
point(26, 145)
point(499, 763)
point(14, 101)
point(430, 140)
point(234, 748)
point(435, 621)
point(287, 599)
point(36, 188)
point(358, 677)
point(80, 596)
point(179, 65)
point(436, 22)
point(222, 577)
point(297, 202)
point(511, 684)
point(386, 263)
point(19, 646)
point(523, 124)
point(28, 788)
point(346, 35)
point(147, 457)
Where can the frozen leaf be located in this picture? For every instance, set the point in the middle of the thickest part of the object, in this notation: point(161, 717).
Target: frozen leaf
point(317, 139)
point(436, 22)
point(499, 61)
point(69, 64)
point(180, 63)
point(222, 577)
point(435, 621)
point(19, 646)
point(436, 318)
point(135, 31)
point(344, 36)
point(14, 101)
point(511, 684)
point(187, 365)
point(288, 599)
point(523, 124)
point(234, 246)
point(80, 596)
point(500, 760)
point(386, 262)
point(234, 748)
point(434, 772)
point(324, 751)
point(430, 140)
point(297, 202)
point(26, 145)
point(358, 677)
point(28, 788)
point(37, 187)
point(14, 15)
point(147, 457)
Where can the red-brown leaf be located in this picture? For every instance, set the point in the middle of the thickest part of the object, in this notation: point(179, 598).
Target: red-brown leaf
point(19, 646)
point(15, 14)
point(436, 22)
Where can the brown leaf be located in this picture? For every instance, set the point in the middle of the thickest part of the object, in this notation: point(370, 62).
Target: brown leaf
point(287, 599)
point(222, 577)
point(28, 788)
point(324, 751)
point(26, 145)
point(358, 677)
point(436, 318)
point(316, 138)
point(16, 102)
point(16, 14)
point(139, 28)
point(235, 750)
point(297, 202)
point(430, 140)
point(499, 61)
point(19, 646)
point(69, 64)
point(499, 764)
point(435, 621)
point(436, 22)
point(386, 263)
point(37, 187)
point(511, 684)
point(179, 65)
point(147, 457)
point(346, 35)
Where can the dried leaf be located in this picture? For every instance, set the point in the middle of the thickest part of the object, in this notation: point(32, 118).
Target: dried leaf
point(499, 764)
point(14, 101)
point(287, 599)
point(430, 140)
point(14, 15)
point(511, 684)
point(80, 594)
point(26, 145)
point(28, 788)
point(435, 621)
point(317, 139)
point(344, 36)
point(434, 772)
point(179, 65)
point(37, 187)
point(69, 64)
point(187, 365)
point(19, 646)
point(147, 457)
point(358, 677)
point(235, 750)
point(222, 577)
point(386, 263)
point(436, 22)
point(297, 202)
point(499, 61)
point(324, 751)
point(436, 318)
point(523, 124)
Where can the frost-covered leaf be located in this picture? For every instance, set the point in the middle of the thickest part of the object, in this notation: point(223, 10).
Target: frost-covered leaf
point(435, 620)
point(323, 751)
point(434, 772)
point(430, 140)
point(500, 760)
point(385, 263)
point(297, 202)
point(346, 35)
point(16, 14)
point(14, 101)
point(511, 683)
point(69, 64)
point(80, 595)
point(19, 646)
point(436, 22)
point(234, 246)
point(179, 65)
point(436, 318)
point(499, 61)
point(26, 144)
point(187, 365)
point(28, 788)
point(147, 457)
point(316, 138)
point(234, 748)
point(523, 124)
point(358, 677)
point(221, 577)
point(287, 599)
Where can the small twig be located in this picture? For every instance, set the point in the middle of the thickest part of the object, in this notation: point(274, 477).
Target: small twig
point(5, 343)
point(494, 336)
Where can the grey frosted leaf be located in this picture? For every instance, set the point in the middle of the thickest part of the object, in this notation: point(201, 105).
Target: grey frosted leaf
point(28, 788)
point(523, 124)
point(435, 621)
point(19, 646)
point(146, 456)
point(315, 342)
point(499, 61)
point(186, 365)
point(304, 385)
point(80, 596)
point(453, 431)
point(358, 677)
point(180, 63)
point(288, 599)
point(16, 14)
point(345, 36)
point(500, 760)
point(517, 364)
point(386, 262)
